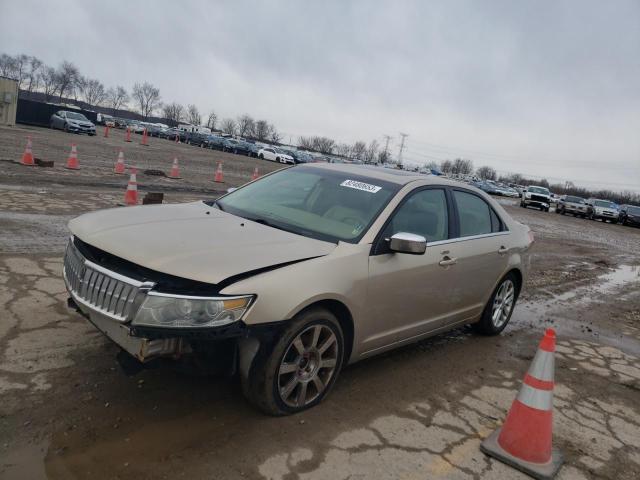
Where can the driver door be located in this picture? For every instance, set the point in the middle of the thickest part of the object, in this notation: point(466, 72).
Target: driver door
point(407, 294)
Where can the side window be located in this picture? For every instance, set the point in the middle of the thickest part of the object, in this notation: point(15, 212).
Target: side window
point(423, 213)
point(476, 216)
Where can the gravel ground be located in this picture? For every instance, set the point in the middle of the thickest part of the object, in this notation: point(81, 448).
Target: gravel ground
point(67, 410)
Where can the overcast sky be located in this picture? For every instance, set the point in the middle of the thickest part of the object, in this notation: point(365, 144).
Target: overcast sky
point(545, 88)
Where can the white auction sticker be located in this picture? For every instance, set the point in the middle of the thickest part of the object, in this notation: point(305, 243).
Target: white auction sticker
point(365, 187)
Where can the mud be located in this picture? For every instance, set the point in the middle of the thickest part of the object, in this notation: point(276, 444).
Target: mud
point(68, 411)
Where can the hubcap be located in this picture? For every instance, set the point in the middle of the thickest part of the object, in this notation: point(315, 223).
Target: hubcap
point(308, 365)
point(503, 303)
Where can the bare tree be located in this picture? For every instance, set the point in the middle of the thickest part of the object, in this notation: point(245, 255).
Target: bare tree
point(35, 67)
point(261, 130)
point(446, 166)
point(246, 126)
point(486, 173)
point(317, 144)
point(173, 112)
point(358, 150)
point(213, 119)
point(371, 152)
point(21, 63)
point(462, 166)
point(274, 135)
point(49, 81)
point(147, 98)
point(67, 76)
point(229, 126)
point(93, 91)
point(193, 115)
point(116, 98)
point(342, 150)
point(7, 66)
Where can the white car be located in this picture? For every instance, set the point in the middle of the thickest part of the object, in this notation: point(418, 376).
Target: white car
point(275, 155)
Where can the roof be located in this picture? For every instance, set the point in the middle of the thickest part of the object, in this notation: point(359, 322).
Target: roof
point(400, 177)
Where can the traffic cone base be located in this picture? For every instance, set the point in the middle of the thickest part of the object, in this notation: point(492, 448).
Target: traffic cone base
point(542, 471)
point(525, 439)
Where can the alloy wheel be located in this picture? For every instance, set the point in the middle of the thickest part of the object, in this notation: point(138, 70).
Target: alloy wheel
point(503, 303)
point(308, 365)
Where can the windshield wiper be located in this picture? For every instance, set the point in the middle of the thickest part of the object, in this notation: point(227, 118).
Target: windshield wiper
point(263, 221)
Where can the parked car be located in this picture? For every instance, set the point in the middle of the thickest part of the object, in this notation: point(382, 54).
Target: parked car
point(535, 196)
point(156, 130)
point(253, 149)
point(629, 215)
point(598, 209)
point(571, 204)
point(106, 120)
point(235, 146)
point(215, 142)
point(369, 250)
point(72, 122)
point(197, 139)
point(275, 155)
point(486, 187)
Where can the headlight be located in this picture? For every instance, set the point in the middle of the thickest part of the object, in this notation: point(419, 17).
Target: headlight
point(179, 311)
point(527, 195)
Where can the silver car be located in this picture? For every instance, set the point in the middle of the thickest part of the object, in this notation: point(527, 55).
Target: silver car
point(290, 277)
point(72, 122)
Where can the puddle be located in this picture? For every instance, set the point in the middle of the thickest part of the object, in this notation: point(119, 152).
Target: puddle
point(604, 283)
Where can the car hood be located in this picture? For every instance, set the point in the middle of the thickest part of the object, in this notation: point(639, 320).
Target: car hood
point(193, 240)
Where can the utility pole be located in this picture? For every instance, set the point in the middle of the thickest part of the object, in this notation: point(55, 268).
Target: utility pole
point(404, 136)
point(386, 146)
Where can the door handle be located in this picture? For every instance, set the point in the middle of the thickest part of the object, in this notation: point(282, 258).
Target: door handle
point(502, 250)
point(447, 261)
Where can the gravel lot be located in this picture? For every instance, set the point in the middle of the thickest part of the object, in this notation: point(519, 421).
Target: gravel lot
point(67, 410)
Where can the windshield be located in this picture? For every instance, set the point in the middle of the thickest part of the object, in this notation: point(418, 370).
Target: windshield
point(604, 204)
point(574, 199)
point(633, 210)
point(76, 116)
point(313, 202)
point(540, 190)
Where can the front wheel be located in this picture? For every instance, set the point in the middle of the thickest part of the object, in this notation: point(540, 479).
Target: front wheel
point(499, 309)
point(301, 367)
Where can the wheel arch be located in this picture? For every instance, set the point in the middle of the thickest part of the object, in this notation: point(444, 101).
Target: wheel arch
point(345, 318)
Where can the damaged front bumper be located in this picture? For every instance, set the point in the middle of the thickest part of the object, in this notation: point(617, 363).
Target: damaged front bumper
point(142, 348)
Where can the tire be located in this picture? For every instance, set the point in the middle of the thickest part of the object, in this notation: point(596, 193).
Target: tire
point(261, 156)
point(66, 128)
point(487, 325)
point(265, 385)
point(278, 159)
point(557, 210)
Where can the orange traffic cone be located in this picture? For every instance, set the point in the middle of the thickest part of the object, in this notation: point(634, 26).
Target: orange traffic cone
point(131, 195)
point(127, 137)
point(255, 174)
point(27, 156)
point(144, 138)
point(106, 131)
point(119, 168)
point(175, 172)
point(524, 441)
point(72, 161)
point(219, 177)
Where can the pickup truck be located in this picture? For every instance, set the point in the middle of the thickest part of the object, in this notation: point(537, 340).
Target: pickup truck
point(571, 204)
point(535, 196)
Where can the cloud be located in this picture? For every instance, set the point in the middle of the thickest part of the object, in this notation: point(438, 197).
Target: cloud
point(545, 88)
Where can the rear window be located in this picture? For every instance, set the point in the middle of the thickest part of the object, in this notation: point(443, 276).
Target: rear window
point(475, 215)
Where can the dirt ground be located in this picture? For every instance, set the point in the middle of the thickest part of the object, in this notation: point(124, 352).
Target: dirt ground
point(67, 411)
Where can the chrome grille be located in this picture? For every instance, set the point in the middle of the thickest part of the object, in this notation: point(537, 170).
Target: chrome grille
point(99, 289)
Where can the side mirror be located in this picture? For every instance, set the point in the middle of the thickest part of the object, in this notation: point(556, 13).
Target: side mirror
point(403, 242)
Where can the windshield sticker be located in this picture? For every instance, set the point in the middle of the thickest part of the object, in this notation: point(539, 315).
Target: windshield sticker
point(365, 187)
